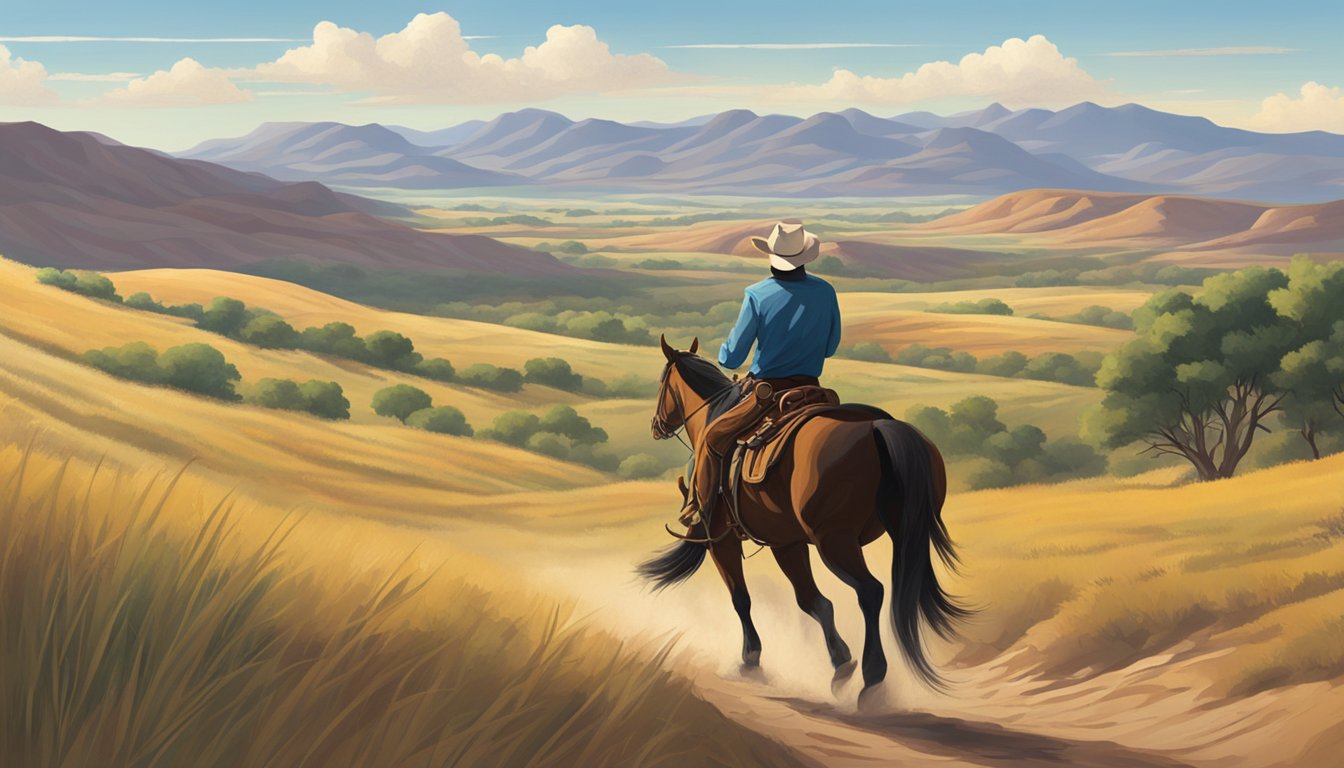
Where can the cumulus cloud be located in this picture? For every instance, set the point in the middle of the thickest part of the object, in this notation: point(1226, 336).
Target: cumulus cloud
point(23, 83)
point(187, 84)
point(1019, 72)
point(1316, 108)
point(430, 61)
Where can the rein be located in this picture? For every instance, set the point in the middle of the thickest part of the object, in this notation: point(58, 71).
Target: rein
point(660, 429)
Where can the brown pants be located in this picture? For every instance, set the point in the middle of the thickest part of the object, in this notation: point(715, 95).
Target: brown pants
point(723, 432)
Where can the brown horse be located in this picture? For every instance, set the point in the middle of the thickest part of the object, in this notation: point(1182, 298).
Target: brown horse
point(846, 479)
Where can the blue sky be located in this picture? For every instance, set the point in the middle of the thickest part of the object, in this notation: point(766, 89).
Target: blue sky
point(1220, 59)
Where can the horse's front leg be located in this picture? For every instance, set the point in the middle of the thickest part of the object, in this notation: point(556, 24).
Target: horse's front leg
point(727, 554)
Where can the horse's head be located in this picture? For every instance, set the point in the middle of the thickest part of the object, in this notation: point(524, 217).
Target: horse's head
point(671, 411)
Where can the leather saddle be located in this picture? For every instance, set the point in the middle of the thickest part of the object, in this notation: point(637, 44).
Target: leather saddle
point(758, 450)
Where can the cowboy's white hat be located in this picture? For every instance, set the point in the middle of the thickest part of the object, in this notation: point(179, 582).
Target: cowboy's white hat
point(789, 246)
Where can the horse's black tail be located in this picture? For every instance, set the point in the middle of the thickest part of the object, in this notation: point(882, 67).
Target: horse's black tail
point(673, 565)
point(912, 515)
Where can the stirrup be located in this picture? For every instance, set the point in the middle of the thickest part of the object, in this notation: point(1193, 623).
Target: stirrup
point(690, 516)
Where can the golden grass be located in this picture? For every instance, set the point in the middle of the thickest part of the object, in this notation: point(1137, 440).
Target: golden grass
point(1053, 301)
point(981, 335)
point(137, 627)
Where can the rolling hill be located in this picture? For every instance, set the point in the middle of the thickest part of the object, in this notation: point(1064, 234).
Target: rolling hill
point(984, 152)
point(72, 200)
point(1189, 226)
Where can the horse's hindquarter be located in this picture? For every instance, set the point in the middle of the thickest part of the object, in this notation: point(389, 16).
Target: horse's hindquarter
point(826, 482)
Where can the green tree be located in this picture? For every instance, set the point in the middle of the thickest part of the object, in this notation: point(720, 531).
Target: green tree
point(199, 368)
point(487, 376)
point(1060, 367)
point(639, 466)
point(1197, 381)
point(96, 285)
point(550, 444)
point(270, 332)
point(143, 301)
point(325, 399)
point(400, 401)
point(444, 419)
point(632, 385)
point(1313, 377)
point(57, 277)
point(552, 372)
point(224, 316)
point(276, 393)
point(515, 427)
point(1006, 364)
point(564, 420)
point(136, 361)
point(436, 368)
point(389, 349)
point(869, 351)
point(337, 339)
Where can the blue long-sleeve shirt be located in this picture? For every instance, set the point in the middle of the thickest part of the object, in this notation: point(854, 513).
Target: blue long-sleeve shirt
point(795, 325)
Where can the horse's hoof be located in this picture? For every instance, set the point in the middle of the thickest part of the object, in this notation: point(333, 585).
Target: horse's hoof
point(751, 659)
point(870, 698)
point(842, 675)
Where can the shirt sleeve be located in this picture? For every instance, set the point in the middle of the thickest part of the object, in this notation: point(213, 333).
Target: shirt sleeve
point(734, 351)
point(833, 343)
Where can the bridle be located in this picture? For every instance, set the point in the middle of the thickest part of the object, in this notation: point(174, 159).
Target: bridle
point(659, 426)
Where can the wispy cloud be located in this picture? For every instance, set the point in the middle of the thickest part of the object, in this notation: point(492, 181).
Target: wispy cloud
point(795, 46)
point(93, 77)
point(1251, 50)
point(82, 39)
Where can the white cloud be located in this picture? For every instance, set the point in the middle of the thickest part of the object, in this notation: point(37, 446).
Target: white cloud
point(82, 39)
point(93, 77)
point(23, 83)
point(1250, 50)
point(1316, 108)
point(429, 61)
point(187, 84)
point(1019, 72)
point(794, 46)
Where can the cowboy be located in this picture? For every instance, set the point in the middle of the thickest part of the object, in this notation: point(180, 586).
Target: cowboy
point(794, 320)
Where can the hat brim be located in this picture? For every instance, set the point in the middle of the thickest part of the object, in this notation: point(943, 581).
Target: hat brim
point(811, 249)
point(762, 245)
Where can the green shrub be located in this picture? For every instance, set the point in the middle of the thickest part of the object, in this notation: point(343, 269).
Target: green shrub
point(444, 419)
point(270, 332)
point(199, 368)
point(1007, 364)
point(1104, 317)
point(1057, 366)
point(549, 444)
point(869, 351)
point(639, 466)
point(283, 394)
point(325, 399)
point(389, 349)
point(564, 420)
point(990, 474)
point(191, 311)
point(981, 307)
point(224, 316)
point(552, 372)
point(400, 401)
point(632, 385)
point(436, 368)
point(940, 358)
point(136, 361)
point(514, 427)
point(571, 247)
point(487, 376)
point(81, 281)
point(143, 301)
point(337, 339)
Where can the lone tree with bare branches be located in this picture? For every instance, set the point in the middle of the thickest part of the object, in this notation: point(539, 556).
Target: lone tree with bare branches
point(1199, 380)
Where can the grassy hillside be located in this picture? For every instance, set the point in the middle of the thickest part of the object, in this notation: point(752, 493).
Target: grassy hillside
point(149, 620)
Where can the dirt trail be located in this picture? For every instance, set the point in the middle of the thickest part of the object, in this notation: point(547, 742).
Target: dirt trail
point(1153, 714)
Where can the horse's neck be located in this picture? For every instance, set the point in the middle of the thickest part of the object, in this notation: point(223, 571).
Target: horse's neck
point(699, 420)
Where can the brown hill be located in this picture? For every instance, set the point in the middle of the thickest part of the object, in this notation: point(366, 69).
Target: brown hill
point(1197, 229)
point(70, 200)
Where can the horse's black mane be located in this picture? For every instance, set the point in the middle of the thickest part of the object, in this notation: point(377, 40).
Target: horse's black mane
point(706, 380)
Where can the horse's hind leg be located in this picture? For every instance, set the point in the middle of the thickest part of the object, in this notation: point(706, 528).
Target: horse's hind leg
point(843, 555)
point(727, 554)
point(797, 565)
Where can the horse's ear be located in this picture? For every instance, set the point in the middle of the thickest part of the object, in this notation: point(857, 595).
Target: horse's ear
point(695, 344)
point(668, 351)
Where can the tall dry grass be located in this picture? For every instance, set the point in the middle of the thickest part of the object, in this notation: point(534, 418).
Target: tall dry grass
point(125, 643)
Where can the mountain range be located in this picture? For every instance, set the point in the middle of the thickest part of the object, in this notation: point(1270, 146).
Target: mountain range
point(75, 199)
point(986, 152)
